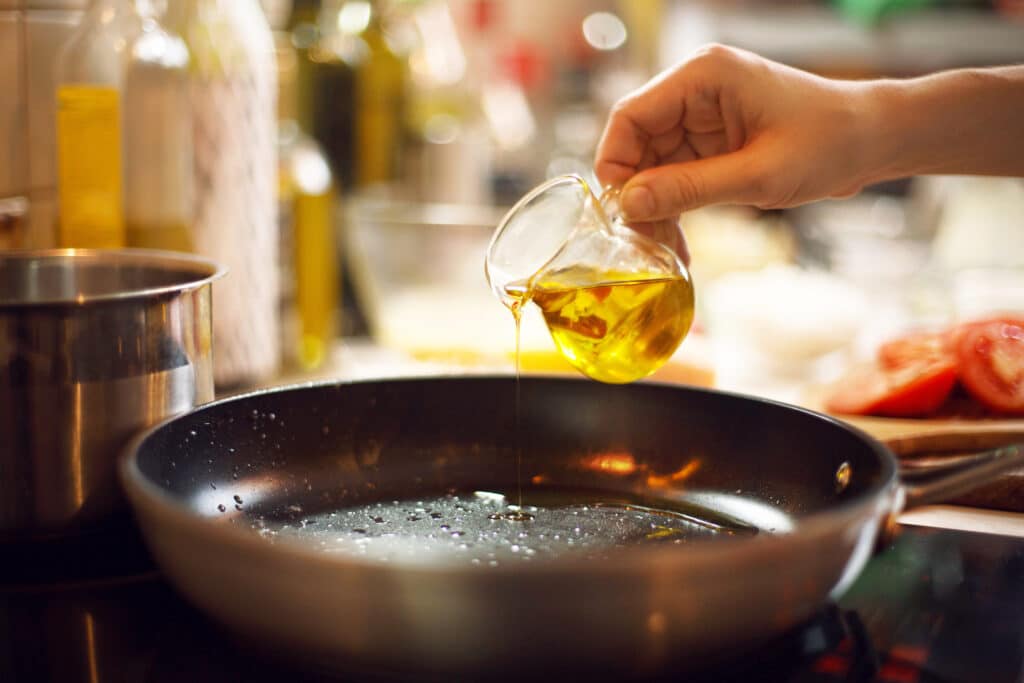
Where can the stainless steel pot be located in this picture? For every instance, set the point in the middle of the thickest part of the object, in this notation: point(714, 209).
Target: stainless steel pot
point(94, 346)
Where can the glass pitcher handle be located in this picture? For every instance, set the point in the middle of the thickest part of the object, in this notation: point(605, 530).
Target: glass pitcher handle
point(666, 232)
point(608, 202)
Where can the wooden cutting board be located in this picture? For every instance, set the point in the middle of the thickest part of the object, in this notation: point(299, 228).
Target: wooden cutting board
point(939, 442)
point(919, 437)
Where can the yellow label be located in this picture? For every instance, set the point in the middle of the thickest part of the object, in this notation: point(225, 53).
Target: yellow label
point(89, 167)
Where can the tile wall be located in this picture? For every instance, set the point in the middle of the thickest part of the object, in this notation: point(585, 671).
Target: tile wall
point(31, 31)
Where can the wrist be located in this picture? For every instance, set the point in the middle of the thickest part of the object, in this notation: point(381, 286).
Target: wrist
point(963, 122)
point(890, 132)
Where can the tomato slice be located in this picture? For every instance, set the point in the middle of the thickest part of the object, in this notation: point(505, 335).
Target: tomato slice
point(991, 360)
point(917, 387)
point(916, 347)
point(959, 331)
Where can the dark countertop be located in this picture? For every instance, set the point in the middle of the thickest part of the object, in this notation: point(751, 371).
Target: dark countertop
point(936, 606)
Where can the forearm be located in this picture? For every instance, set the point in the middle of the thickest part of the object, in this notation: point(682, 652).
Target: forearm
point(969, 122)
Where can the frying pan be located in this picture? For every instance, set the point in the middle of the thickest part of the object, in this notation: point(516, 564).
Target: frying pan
point(819, 494)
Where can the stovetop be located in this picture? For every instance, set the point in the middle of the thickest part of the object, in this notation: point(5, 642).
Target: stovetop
point(937, 606)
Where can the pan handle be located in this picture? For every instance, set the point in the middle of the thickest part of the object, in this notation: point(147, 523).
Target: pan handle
point(976, 471)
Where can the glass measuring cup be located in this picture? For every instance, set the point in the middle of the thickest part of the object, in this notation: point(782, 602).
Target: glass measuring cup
point(617, 303)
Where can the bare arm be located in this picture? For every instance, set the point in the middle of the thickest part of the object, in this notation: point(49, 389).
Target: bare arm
point(969, 121)
point(728, 126)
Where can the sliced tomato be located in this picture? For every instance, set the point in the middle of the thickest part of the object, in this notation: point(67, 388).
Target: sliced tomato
point(914, 348)
point(991, 359)
point(915, 388)
point(958, 331)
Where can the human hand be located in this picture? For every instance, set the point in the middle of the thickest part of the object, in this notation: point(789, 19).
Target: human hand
point(728, 126)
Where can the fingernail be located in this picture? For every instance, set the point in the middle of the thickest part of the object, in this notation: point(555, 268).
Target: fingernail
point(637, 203)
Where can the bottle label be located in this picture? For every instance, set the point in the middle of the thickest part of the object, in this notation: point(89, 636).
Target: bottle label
point(89, 167)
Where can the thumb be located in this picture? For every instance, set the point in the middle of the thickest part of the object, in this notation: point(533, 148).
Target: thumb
point(667, 191)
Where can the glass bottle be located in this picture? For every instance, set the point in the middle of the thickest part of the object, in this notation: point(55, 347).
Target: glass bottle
point(232, 106)
point(332, 54)
point(380, 95)
point(359, 83)
point(304, 33)
point(447, 138)
point(308, 250)
point(89, 77)
point(158, 142)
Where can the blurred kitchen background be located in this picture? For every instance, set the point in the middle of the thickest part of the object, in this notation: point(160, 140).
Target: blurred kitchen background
point(349, 159)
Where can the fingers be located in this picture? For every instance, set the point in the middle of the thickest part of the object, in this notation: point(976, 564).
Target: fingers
point(686, 97)
point(620, 151)
point(654, 110)
point(666, 191)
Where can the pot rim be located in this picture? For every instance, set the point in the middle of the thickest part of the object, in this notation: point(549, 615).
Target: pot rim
point(205, 270)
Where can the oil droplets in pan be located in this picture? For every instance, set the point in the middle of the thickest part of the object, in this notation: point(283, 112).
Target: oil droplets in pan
point(480, 528)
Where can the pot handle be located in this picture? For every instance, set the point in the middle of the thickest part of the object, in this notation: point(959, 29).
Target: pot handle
point(934, 485)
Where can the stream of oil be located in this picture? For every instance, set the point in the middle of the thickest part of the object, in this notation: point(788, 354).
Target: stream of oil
point(612, 326)
point(475, 528)
point(519, 514)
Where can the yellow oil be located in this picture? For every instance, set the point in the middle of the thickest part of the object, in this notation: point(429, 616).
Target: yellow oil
point(316, 276)
point(307, 202)
point(168, 236)
point(89, 167)
point(612, 326)
point(380, 91)
point(518, 514)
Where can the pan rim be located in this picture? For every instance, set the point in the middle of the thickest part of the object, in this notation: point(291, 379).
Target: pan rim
point(879, 499)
